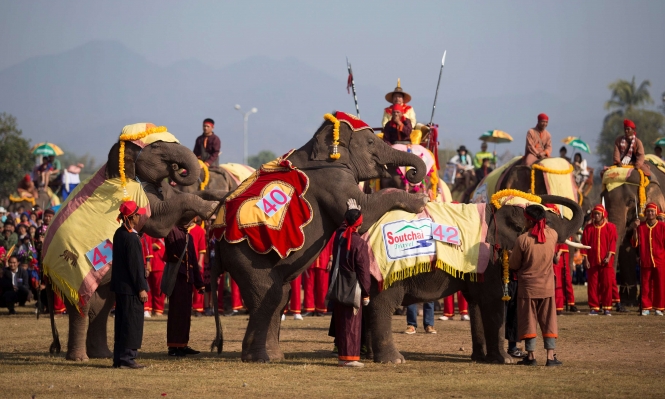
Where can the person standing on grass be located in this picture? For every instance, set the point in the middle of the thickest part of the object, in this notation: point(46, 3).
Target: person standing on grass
point(532, 257)
point(350, 252)
point(649, 238)
point(601, 236)
point(130, 286)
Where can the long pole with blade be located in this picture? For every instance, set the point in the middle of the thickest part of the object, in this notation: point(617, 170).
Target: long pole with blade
point(353, 86)
point(443, 61)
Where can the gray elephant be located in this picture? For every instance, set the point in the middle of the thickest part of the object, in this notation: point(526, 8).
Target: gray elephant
point(264, 278)
point(152, 165)
point(486, 308)
point(218, 182)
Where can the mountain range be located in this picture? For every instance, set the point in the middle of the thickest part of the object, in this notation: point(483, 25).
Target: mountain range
point(80, 99)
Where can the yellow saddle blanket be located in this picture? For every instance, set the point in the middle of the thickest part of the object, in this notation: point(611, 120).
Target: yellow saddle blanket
point(450, 237)
point(559, 180)
point(616, 177)
point(655, 161)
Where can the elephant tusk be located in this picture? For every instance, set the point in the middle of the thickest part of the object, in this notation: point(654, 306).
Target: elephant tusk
point(577, 245)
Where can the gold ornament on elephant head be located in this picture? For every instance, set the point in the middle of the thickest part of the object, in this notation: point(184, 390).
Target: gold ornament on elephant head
point(128, 134)
point(335, 152)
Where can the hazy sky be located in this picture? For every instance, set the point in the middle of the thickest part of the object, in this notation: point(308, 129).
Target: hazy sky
point(568, 48)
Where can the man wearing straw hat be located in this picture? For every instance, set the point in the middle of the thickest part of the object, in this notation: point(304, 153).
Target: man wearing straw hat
point(399, 97)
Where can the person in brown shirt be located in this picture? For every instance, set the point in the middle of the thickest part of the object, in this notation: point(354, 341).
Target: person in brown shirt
point(532, 257)
point(538, 142)
point(207, 146)
point(628, 149)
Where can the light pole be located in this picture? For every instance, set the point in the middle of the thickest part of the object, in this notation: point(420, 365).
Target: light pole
point(245, 118)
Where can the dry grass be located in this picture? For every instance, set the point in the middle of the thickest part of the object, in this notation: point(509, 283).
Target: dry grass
point(617, 356)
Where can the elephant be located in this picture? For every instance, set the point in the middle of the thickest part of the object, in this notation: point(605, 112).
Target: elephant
point(43, 201)
point(621, 205)
point(152, 164)
point(486, 308)
point(264, 279)
point(219, 182)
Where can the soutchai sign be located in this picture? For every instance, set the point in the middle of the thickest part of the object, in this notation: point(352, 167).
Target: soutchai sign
point(410, 238)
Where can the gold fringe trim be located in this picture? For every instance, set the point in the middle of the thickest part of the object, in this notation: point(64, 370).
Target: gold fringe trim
point(206, 175)
point(121, 160)
point(73, 293)
point(506, 279)
point(426, 267)
point(335, 153)
point(496, 197)
point(546, 170)
point(642, 191)
point(13, 198)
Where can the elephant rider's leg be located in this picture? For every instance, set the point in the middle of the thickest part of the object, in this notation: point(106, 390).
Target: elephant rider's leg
point(78, 328)
point(261, 342)
point(101, 303)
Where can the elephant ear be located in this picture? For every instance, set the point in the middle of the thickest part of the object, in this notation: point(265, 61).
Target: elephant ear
point(113, 164)
point(323, 143)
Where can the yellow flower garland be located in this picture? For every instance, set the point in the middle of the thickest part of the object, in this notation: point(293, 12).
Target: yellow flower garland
point(206, 175)
point(121, 161)
point(642, 190)
point(329, 117)
point(506, 276)
point(546, 170)
point(515, 193)
point(31, 200)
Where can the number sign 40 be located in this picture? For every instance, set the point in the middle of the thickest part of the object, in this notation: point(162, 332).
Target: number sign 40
point(273, 201)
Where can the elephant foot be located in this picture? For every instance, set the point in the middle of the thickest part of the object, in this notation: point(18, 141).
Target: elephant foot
point(100, 353)
point(478, 357)
point(262, 356)
point(389, 356)
point(498, 357)
point(77, 356)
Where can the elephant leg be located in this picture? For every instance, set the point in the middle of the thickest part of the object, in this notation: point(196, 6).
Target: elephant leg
point(78, 324)
point(101, 303)
point(493, 317)
point(261, 342)
point(379, 325)
point(478, 346)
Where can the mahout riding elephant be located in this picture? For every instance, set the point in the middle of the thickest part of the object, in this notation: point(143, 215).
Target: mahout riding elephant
point(486, 308)
point(213, 183)
point(621, 204)
point(264, 278)
point(43, 201)
point(152, 165)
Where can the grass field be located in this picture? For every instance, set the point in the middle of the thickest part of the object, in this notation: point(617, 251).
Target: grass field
point(612, 357)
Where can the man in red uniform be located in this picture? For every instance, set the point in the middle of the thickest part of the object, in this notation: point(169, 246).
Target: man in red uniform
point(538, 142)
point(628, 149)
point(315, 282)
point(295, 304)
point(156, 298)
point(199, 236)
point(649, 237)
point(563, 291)
point(147, 265)
point(449, 307)
point(601, 236)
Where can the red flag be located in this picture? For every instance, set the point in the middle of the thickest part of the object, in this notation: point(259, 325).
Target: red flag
point(349, 82)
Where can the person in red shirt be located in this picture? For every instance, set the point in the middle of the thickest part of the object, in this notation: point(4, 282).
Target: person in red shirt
point(398, 128)
point(156, 298)
point(199, 237)
point(563, 291)
point(315, 282)
point(649, 238)
point(601, 236)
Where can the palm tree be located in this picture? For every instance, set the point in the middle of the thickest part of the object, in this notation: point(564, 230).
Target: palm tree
point(625, 96)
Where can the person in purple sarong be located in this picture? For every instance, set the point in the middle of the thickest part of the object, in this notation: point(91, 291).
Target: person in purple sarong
point(353, 257)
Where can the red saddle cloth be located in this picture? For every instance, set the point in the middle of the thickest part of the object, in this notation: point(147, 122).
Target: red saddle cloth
point(269, 209)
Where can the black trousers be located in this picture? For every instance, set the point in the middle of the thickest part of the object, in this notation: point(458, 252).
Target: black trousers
point(128, 329)
point(511, 312)
point(180, 314)
point(11, 297)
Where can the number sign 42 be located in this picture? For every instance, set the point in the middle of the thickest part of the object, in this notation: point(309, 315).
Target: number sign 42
point(273, 201)
point(447, 234)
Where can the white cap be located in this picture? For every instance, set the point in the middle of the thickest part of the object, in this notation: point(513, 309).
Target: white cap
point(2, 210)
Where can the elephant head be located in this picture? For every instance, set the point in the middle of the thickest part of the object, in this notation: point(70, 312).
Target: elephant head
point(509, 222)
point(363, 152)
point(155, 162)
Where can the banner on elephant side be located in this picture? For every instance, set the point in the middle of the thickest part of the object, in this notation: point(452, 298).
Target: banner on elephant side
point(408, 238)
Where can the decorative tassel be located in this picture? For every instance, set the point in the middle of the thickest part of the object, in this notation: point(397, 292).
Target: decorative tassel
point(506, 276)
point(335, 151)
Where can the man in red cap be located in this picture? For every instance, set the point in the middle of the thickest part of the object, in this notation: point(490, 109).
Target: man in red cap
point(208, 144)
point(538, 142)
point(628, 149)
point(130, 286)
point(601, 236)
point(649, 237)
point(398, 128)
point(531, 258)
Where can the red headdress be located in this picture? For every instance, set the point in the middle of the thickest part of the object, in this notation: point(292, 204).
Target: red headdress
point(543, 117)
point(350, 230)
point(538, 229)
point(554, 208)
point(398, 107)
point(653, 206)
point(600, 208)
point(628, 123)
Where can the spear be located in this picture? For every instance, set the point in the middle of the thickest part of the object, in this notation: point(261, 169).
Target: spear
point(436, 94)
point(351, 83)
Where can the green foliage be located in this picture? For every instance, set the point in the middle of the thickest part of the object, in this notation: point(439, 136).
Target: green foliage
point(649, 125)
point(15, 157)
point(626, 96)
point(255, 161)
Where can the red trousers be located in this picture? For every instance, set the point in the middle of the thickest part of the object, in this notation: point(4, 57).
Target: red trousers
point(294, 301)
point(236, 299)
point(449, 306)
point(58, 305)
point(563, 282)
point(315, 285)
point(601, 281)
point(197, 300)
point(653, 288)
point(155, 300)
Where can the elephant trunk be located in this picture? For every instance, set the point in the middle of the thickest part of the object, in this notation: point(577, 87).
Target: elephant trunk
point(578, 216)
point(415, 174)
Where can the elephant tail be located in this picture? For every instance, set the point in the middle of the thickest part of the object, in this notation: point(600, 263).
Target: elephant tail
point(55, 345)
point(216, 270)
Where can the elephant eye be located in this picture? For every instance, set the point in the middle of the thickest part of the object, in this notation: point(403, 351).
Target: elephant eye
point(370, 141)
